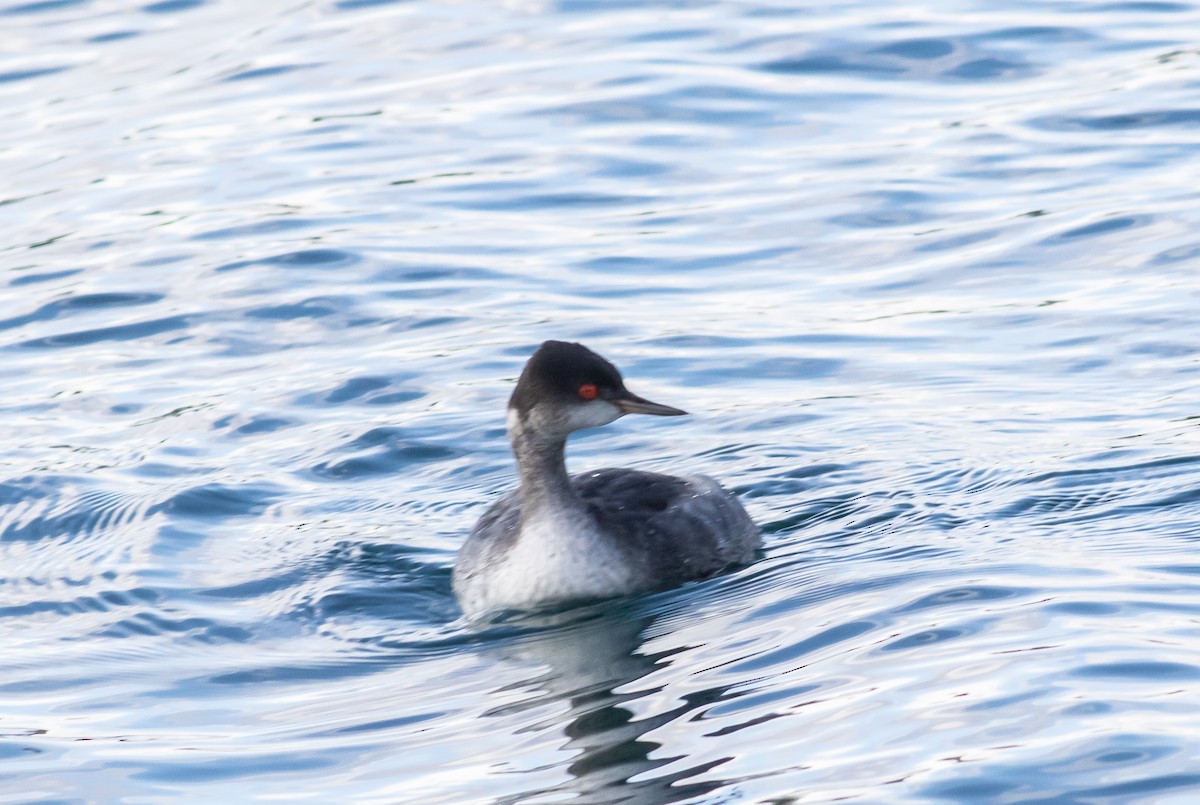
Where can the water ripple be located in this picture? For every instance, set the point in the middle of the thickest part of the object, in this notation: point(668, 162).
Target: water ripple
point(924, 280)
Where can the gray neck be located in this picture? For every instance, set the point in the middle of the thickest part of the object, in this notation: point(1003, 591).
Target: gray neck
point(546, 489)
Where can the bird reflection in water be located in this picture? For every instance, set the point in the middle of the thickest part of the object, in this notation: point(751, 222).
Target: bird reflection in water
point(592, 660)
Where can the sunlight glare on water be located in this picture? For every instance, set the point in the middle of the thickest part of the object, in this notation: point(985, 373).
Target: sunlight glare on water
point(925, 275)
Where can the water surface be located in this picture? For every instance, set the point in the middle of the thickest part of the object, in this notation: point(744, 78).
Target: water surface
point(925, 274)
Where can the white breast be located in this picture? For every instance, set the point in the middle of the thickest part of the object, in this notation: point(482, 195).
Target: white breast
point(558, 558)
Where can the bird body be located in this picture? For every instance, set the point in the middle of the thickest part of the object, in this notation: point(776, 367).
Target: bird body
point(604, 533)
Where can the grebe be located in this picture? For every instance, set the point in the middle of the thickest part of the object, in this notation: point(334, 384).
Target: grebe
point(558, 538)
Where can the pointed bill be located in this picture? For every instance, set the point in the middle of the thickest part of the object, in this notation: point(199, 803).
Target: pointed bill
point(630, 403)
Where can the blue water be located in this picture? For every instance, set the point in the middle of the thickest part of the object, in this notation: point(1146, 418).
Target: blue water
point(926, 274)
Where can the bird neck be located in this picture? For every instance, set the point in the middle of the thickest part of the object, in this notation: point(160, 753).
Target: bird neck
point(546, 489)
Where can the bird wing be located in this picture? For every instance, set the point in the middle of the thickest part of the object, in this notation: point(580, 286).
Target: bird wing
point(678, 528)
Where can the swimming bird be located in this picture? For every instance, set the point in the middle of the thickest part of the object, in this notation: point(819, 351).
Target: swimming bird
point(559, 538)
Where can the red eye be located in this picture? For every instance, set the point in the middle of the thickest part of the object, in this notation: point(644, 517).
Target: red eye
point(587, 391)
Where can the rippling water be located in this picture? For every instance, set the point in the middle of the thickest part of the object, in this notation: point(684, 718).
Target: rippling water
point(926, 273)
